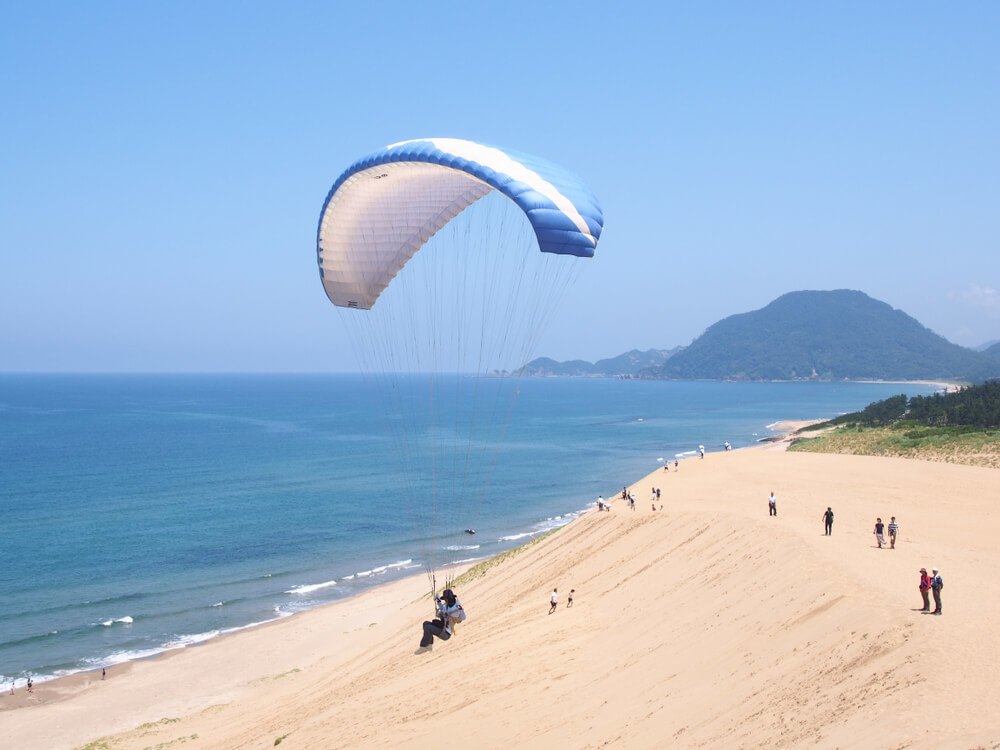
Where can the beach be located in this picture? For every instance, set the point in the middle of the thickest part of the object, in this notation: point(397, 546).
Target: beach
point(706, 624)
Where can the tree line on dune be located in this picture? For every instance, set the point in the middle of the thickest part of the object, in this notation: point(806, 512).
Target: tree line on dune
point(976, 406)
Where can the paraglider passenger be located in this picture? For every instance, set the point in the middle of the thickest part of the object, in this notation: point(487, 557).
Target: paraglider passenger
point(449, 614)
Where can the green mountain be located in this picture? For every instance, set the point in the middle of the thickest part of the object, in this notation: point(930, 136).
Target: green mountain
point(825, 335)
point(627, 364)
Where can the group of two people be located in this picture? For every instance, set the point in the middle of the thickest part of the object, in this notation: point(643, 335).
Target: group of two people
point(879, 532)
point(931, 584)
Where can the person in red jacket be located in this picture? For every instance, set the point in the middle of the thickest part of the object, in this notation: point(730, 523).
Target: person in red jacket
point(925, 587)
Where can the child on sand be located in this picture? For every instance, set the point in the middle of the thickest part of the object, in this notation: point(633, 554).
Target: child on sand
point(893, 529)
point(569, 599)
point(772, 505)
point(553, 600)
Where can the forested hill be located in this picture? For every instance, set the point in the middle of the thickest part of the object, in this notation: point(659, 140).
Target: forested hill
point(974, 406)
point(825, 335)
point(629, 363)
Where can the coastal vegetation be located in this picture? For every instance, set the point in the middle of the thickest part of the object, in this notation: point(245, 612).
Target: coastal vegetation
point(960, 427)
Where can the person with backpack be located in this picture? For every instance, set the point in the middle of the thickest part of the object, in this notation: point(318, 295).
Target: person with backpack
point(937, 583)
point(449, 614)
point(828, 521)
point(925, 589)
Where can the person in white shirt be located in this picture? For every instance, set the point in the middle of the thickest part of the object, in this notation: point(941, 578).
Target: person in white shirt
point(553, 600)
point(772, 505)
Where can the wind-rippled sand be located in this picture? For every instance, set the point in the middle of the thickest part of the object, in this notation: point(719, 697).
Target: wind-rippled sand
point(708, 624)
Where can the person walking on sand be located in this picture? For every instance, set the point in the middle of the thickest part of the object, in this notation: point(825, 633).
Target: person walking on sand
point(828, 521)
point(772, 505)
point(893, 530)
point(925, 589)
point(879, 532)
point(104, 672)
point(937, 583)
point(31, 682)
point(569, 598)
point(553, 600)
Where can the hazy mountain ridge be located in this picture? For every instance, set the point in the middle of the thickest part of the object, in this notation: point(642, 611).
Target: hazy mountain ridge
point(822, 335)
point(630, 363)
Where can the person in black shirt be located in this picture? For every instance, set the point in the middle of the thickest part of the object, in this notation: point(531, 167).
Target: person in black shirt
point(828, 521)
point(879, 532)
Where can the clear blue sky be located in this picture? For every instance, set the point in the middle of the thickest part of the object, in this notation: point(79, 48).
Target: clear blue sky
point(162, 166)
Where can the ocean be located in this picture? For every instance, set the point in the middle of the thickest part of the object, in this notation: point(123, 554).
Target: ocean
point(148, 512)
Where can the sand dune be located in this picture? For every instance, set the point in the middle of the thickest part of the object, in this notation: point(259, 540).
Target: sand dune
point(708, 624)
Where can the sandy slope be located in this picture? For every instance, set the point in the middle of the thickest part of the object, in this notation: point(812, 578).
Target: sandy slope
point(706, 625)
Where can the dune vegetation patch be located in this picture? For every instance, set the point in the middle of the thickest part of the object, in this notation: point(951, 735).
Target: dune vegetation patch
point(960, 445)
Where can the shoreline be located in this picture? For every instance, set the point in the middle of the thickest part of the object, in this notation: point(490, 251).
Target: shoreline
point(61, 686)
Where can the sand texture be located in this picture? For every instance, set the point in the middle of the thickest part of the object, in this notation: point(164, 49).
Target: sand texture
point(706, 625)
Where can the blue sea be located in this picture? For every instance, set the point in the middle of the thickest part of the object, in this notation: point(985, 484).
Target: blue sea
point(147, 512)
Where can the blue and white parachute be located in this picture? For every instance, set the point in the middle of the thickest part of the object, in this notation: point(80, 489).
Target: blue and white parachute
point(387, 205)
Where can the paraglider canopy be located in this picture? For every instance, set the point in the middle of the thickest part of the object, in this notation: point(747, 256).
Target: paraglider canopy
point(387, 205)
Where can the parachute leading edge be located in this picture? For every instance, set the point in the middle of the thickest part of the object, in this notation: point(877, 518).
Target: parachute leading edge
point(387, 205)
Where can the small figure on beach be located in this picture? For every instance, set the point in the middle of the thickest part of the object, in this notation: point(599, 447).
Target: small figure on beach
point(657, 493)
point(772, 505)
point(937, 583)
point(104, 672)
point(701, 451)
point(677, 466)
point(893, 530)
point(449, 613)
point(569, 598)
point(553, 600)
point(828, 521)
point(600, 503)
point(925, 590)
point(624, 492)
point(879, 532)
point(631, 501)
point(11, 688)
point(727, 446)
point(31, 682)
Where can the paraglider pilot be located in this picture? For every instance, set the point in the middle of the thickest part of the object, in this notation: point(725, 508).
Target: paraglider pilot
point(449, 613)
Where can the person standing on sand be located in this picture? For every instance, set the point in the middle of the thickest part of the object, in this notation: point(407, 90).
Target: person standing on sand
point(104, 672)
point(828, 521)
point(937, 583)
point(772, 505)
point(553, 600)
point(879, 532)
point(893, 529)
point(676, 465)
point(31, 682)
point(569, 599)
point(925, 588)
